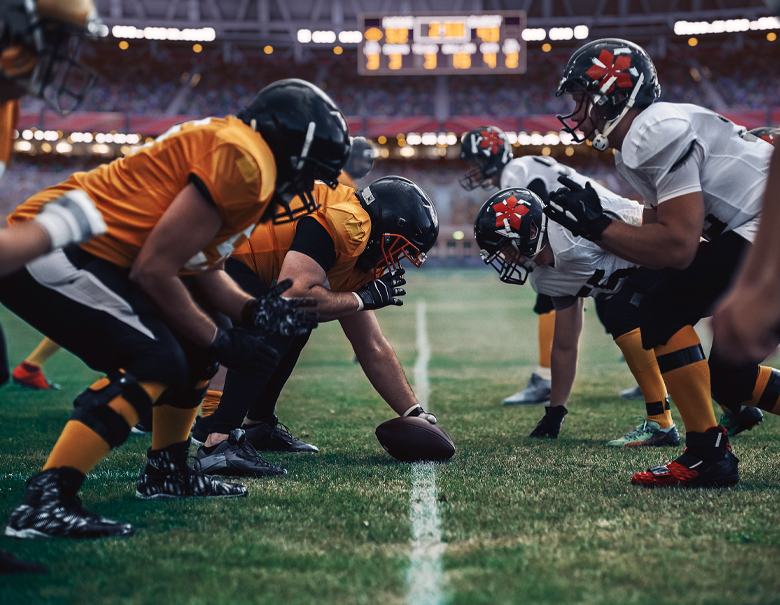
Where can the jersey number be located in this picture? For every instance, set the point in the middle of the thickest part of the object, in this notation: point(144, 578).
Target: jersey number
point(611, 282)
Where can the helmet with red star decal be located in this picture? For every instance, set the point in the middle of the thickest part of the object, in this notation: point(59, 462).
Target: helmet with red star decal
point(612, 75)
point(487, 150)
point(767, 133)
point(511, 229)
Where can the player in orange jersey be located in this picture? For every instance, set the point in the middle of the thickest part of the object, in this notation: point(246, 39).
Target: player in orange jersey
point(145, 303)
point(346, 256)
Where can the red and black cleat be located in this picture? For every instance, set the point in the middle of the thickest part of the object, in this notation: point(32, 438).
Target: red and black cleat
point(30, 376)
point(707, 461)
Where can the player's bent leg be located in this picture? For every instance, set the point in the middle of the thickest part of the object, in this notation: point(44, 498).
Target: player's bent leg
point(743, 391)
point(29, 374)
point(707, 461)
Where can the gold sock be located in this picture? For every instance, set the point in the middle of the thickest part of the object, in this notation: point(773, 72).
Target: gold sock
point(45, 349)
point(687, 376)
point(766, 394)
point(546, 332)
point(81, 447)
point(210, 403)
point(644, 367)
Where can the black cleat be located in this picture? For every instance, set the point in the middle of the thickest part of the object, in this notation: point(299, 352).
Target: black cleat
point(747, 418)
point(167, 475)
point(550, 425)
point(235, 457)
point(12, 565)
point(266, 437)
point(51, 508)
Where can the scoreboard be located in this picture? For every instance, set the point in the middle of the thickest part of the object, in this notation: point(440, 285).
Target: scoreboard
point(442, 43)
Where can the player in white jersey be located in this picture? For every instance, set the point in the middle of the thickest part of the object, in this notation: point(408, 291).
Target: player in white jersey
point(699, 175)
point(515, 238)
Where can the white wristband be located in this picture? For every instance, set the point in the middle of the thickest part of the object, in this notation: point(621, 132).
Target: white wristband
point(410, 410)
point(360, 301)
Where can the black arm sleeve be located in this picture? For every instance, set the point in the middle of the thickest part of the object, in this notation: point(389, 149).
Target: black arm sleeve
point(538, 187)
point(314, 241)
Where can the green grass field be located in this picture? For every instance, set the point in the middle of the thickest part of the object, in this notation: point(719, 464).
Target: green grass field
point(523, 521)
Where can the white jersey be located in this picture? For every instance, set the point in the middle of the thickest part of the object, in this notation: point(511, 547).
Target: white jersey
point(673, 149)
point(581, 267)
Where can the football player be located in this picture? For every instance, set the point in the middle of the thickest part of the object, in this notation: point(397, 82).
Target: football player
point(147, 298)
point(32, 36)
point(752, 336)
point(516, 239)
point(359, 163)
point(701, 179)
point(346, 256)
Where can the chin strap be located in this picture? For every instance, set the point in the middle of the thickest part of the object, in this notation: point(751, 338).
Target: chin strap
point(600, 141)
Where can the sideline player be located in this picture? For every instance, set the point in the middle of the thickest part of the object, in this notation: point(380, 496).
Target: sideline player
point(516, 239)
point(699, 175)
point(147, 294)
point(347, 257)
point(28, 31)
point(489, 153)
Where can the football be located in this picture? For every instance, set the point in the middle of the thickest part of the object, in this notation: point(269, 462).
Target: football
point(412, 439)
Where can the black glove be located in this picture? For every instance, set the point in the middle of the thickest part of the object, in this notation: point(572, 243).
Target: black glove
point(239, 350)
point(419, 412)
point(578, 209)
point(272, 314)
point(381, 292)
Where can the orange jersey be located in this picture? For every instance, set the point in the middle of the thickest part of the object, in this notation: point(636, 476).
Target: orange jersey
point(342, 216)
point(132, 193)
point(9, 114)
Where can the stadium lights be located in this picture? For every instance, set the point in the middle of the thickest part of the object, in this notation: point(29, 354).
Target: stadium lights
point(696, 28)
point(443, 139)
point(205, 34)
point(305, 36)
point(537, 34)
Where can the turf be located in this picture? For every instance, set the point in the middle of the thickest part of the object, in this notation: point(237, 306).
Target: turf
point(524, 521)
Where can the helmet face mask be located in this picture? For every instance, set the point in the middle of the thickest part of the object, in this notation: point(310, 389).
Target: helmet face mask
point(39, 46)
point(611, 76)
point(487, 150)
point(511, 230)
point(404, 224)
point(308, 137)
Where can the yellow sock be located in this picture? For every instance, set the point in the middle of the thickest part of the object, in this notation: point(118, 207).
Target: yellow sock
point(644, 367)
point(81, 447)
point(210, 403)
point(45, 349)
point(171, 425)
point(766, 394)
point(546, 332)
point(687, 376)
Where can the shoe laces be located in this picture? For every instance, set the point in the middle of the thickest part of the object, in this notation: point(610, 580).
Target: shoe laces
point(247, 451)
point(642, 428)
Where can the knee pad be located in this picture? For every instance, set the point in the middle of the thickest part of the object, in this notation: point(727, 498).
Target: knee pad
point(731, 385)
point(93, 410)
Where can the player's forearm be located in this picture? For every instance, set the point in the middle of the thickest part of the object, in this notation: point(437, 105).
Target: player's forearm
point(221, 292)
point(330, 305)
point(19, 244)
point(176, 307)
point(385, 373)
point(652, 245)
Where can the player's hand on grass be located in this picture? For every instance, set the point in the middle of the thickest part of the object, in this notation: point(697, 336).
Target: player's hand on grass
point(274, 314)
point(578, 209)
point(242, 351)
point(382, 291)
point(71, 219)
point(418, 412)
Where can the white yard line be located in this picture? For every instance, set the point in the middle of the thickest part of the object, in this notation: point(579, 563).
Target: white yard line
point(425, 577)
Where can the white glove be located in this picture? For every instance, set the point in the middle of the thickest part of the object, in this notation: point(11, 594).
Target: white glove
point(419, 412)
point(71, 219)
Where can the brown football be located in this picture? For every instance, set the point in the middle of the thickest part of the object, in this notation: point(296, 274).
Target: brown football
point(412, 439)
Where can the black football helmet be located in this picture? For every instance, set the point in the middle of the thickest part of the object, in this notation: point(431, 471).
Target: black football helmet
point(614, 75)
point(361, 158)
point(488, 150)
point(403, 223)
point(309, 138)
point(767, 133)
point(513, 217)
point(39, 43)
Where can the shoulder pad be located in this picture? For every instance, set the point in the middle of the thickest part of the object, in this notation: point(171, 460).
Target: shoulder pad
point(544, 159)
point(515, 174)
point(659, 137)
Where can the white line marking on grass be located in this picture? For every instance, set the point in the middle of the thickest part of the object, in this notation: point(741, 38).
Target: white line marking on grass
point(424, 577)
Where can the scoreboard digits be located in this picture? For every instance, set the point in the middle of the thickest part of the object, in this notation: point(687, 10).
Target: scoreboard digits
point(452, 43)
